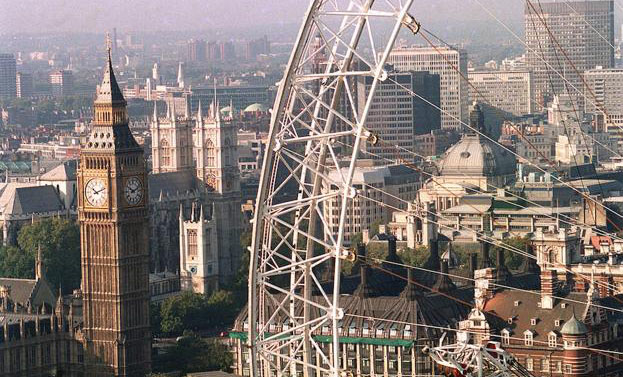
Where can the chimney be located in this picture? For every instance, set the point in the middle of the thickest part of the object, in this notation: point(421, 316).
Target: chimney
point(364, 289)
point(502, 274)
point(391, 249)
point(473, 264)
point(444, 283)
point(484, 254)
point(409, 291)
point(529, 264)
point(549, 287)
point(39, 269)
point(433, 260)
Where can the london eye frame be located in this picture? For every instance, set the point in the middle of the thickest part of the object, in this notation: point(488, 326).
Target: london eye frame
point(296, 236)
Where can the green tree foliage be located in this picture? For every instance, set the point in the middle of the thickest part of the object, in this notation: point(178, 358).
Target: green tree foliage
point(194, 354)
point(183, 312)
point(511, 258)
point(15, 263)
point(60, 245)
point(414, 257)
point(193, 311)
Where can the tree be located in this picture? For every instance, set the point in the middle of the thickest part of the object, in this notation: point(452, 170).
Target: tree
point(15, 263)
point(512, 260)
point(179, 313)
point(59, 240)
point(415, 257)
point(223, 308)
point(194, 354)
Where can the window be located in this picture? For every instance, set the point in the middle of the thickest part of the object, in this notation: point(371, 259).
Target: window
point(545, 365)
point(210, 154)
point(528, 338)
point(529, 364)
point(165, 153)
point(192, 242)
point(567, 369)
point(506, 337)
point(551, 340)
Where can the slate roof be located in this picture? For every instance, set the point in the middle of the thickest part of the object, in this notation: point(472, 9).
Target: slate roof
point(63, 172)
point(33, 199)
point(172, 183)
point(21, 289)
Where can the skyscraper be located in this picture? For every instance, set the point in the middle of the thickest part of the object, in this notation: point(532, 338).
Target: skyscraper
point(396, 116)
point(197, 50)
point(584, 30)
point(112, 181)
point(7, 76)
point(24, 85)
point(449, 64)
point(62, 82)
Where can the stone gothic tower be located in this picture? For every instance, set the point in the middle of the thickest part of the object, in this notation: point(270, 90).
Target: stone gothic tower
point(216, 164)
point(112, 200)
point(199, 254)
point(171, 143)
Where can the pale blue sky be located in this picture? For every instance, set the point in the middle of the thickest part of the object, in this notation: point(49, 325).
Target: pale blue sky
point(136, 15)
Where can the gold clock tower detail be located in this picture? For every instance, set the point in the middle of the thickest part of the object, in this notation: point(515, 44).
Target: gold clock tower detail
point(112, 181)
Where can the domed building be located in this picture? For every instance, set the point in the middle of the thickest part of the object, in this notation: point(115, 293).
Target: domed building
point(473, 165)
point(477, 160)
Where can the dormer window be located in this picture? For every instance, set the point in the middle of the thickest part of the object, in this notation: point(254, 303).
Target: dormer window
point(533, 321)
point(516, 303)
point(557, 322)
point(506, 336)
point(528, 338)
point(552, 339)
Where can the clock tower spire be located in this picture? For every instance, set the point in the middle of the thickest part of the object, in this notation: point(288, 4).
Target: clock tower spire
point(112, 207)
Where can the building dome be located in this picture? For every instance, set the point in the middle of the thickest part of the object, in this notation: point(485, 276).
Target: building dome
point(573, 327)
point(476, 155)
point(254, 108)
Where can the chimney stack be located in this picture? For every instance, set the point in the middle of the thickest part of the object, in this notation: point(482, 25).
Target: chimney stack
point(364, 289)
point(409, 292)
point(444, 283)
point(503, 274)
point(473, 264)
point(484, 254)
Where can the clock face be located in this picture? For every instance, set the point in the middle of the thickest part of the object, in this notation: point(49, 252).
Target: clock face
point(96, 192)
point(133, 191)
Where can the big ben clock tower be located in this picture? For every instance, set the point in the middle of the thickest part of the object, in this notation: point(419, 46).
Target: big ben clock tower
point(113, 234)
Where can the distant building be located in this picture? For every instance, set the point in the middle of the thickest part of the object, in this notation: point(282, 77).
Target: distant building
point(256, 47)
point(378, 188)
point(7, 76)
point(510, 91)
point(396, 116)
point(239, 96)
point(24, 85)
point(454, 95)
point(606, 100)
point(585, 46)
point(197, 50)
point(62, 82)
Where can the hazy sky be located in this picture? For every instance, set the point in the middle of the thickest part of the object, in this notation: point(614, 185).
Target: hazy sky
point(149, 15)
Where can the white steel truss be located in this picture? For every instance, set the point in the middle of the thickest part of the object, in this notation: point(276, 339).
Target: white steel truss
point(340, 42)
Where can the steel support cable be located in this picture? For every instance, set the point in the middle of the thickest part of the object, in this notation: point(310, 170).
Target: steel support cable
point(453, 276)
point(553, 89)
point(486, 100)
point(589, 24)
point(450, 329)
point(412, 281)
point(506, 148)
point(495, 242)
point(543, 60)
point(564, 123)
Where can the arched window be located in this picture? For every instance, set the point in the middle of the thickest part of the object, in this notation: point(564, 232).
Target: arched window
point(192, 242)
point(227, 153)
point(210, 153)
point(165, 153)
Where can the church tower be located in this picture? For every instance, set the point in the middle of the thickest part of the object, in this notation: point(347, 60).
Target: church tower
point(171, 145)
point(114, 237)
point(216, 159)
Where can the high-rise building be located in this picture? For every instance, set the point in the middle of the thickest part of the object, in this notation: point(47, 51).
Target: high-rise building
point(396, 116)
point(24, 85)
point(7, 76)
point(257, 47)
point(112, 200)
point(603, 88)
point(197, 50)
point(585, 46)
point(509, 91)
point(62, 82)
point(450, 64)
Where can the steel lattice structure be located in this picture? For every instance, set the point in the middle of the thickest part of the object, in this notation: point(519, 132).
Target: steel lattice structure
point(316, 105)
